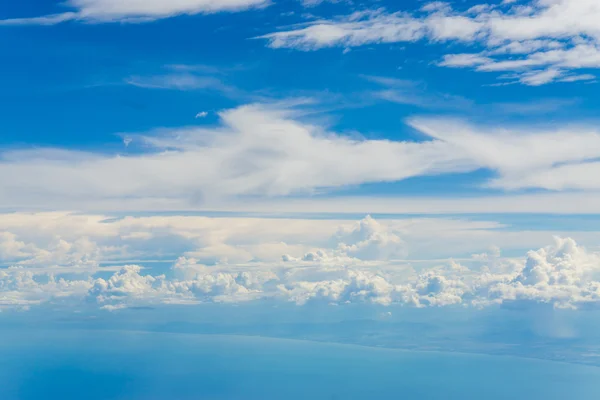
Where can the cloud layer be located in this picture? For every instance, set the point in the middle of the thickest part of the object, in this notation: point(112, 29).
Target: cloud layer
point(562, 274)
point(64, 262)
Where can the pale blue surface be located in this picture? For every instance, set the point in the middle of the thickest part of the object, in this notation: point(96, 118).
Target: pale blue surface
point(149, 366)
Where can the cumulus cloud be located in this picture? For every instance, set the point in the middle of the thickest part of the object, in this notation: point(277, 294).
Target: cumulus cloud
point(369, 240)
point(354, 286)
point(540, 42)
point(563, 274)
point(128, 287)
point(191, 284)
point(98, 11)
point(22, 288)
point(61, 258)
point(12, 248)
point(354, 264)
point(81, 253)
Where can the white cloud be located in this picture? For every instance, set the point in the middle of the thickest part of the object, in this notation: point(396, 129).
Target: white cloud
point(438, 290)
point(436, 6)
point(540, 42)
point(80, 254)
point(561, 177)
point(578, 78)
point(464, 60)
point(177, 81)
point(352, 287)
point(538, 78)
point(312, 3)
point(135, 10)
point(257, 151)
point(564, 263)
point(22, 288)
point(12, 248)
point(569, 203)
point(265, 152)
point(357, 29)
point(352, 264)
point(44, 20)
point(369, 240)
point(563, 274)
point(129, 287)
point(555, 159)
point(239, 240)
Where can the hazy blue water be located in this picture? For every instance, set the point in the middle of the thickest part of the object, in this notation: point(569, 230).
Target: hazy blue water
point(152, 366)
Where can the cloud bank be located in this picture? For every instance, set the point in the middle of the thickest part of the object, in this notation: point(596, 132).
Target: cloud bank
point(244, 260)
point(562, 274)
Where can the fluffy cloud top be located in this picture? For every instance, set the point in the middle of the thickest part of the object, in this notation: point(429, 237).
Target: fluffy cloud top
point(539, 42)
point(369, 240)
point(81, 253)
point(562, 274)
point(349, 263)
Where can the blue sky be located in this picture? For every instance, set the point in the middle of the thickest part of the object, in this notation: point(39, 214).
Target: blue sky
point(67, 84)
point(205, 151)
point(86, 83)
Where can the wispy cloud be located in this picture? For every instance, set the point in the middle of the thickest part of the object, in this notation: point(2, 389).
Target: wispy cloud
point(267, 152)
point(99, 11)
point(177, 81)
point(540, 106)
point(44, 20)
point(540, 42)
point(187, 78)
point(413, 93)
point(416, 93)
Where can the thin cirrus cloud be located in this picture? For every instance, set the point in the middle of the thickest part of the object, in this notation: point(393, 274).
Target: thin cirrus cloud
point(183, 81)
point(266, 152)
point(536, 43)
point(182, 77)
point(414, 93)
point(174, 81)
point(134, 10)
